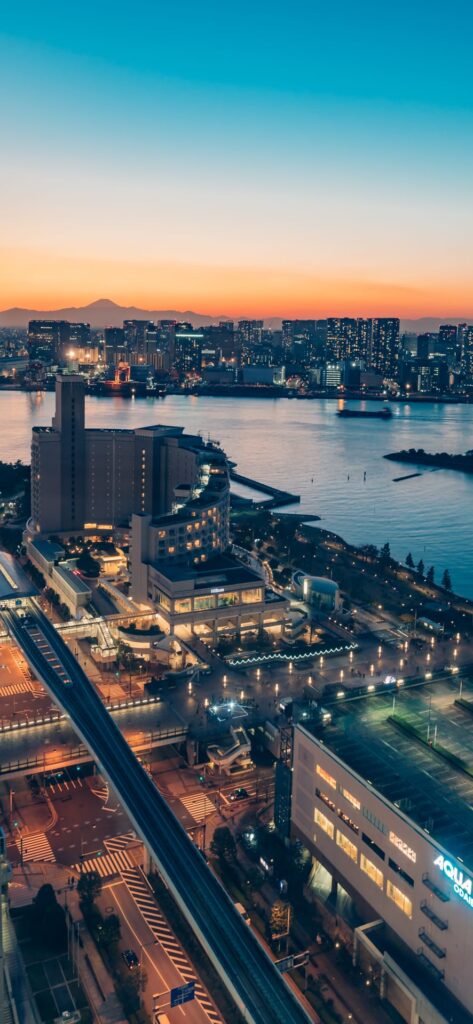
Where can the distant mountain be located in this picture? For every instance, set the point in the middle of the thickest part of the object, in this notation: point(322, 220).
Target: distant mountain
point(105, 313)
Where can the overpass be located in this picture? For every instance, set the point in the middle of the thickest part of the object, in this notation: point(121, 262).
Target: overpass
point(248, 974)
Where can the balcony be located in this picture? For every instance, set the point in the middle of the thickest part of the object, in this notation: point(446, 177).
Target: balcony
point(435, 889)
point(436, 920)
point(440, 953)
point(434, 971)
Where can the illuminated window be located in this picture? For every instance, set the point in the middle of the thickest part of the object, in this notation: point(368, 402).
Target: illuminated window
point(329, 779)
point(201, 604)
point(351, 799)
point(324, 823)
point(399, 898)
point(183, 604)
point(325, 799)
point(224, 600)
point(347, 847)
point(252, 596)
point(171, 550)
point(403, 847)
point(372, 871)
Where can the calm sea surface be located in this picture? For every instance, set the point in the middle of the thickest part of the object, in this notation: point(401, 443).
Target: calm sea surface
point(303, 446)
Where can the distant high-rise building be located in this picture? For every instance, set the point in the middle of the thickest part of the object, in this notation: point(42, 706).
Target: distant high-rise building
point(347, 338)
point(298, 340)
point(56, 340)
point(138, 335)
point(385, 346)
point(249, 335)
point(187, 350)
point(467, 353)
point(423, 346)
point(448, 343)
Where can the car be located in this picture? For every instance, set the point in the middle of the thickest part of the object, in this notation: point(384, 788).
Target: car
point(130, 959)
point(239, 794)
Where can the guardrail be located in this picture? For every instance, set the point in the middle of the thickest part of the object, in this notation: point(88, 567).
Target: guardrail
point(80, 754)
point(56, 716)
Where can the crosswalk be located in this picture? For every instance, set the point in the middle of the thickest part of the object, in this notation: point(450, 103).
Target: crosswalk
point(12, 688)
point(115, 843)
point(198, 805)
point(37, 847)
point(146, 903)
point(101, 791)
point(110, 864)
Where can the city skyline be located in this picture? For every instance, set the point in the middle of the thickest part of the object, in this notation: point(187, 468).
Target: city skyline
point(294, 179)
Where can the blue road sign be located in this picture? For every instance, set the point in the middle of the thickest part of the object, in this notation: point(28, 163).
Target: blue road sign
point(183, 994)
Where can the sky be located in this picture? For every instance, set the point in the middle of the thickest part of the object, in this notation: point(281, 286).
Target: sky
point(247, 159)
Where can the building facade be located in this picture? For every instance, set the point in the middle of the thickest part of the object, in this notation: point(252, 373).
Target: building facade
point(414, 898)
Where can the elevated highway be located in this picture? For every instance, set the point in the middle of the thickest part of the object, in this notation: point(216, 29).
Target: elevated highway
point(253, 981)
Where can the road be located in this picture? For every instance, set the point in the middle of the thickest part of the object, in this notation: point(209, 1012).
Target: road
point(252, 980)
point(161, 974)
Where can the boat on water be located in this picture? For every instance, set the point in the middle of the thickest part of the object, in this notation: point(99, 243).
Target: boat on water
point(370, 414)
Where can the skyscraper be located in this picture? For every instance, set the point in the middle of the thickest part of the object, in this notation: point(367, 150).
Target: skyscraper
point(385, 346)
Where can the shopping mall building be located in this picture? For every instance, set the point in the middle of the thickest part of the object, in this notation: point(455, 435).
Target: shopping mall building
point(381, 834)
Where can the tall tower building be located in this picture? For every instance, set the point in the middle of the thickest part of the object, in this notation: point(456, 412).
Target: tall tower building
point(385, 346)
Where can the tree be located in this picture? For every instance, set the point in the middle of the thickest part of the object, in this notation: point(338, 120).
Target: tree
point(280, 919)
point(430, 574)
point(410, 561)
point(420, 567)
point(87, 564)
point(48, 920)
point(223, 845)
point(385, 553)
point(89, 887)
point(109, 931)
point(446, 580)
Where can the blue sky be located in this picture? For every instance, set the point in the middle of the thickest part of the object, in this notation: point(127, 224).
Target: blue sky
point(177, 143)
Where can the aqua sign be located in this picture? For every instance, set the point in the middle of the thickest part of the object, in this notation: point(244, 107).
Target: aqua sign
point(462, 884)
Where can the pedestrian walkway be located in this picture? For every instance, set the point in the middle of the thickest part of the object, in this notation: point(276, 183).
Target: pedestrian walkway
point(106, 866)
point(199, 806)
point(146, 903)
point(120, 842)
point(12, 688)
point(36, 847)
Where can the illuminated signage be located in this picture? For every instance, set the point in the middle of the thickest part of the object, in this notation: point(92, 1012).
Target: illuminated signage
point(217, 590)
point(462, 885)
point(403, 847)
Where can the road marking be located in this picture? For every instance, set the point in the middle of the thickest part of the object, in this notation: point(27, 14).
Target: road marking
point(36, 847)
point(146, 903)
point(108, 864)
point(198, 806)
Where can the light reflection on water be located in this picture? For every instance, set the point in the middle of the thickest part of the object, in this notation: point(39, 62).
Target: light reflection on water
point(302, 446)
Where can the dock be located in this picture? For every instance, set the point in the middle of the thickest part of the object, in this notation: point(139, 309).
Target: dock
point(276, 497)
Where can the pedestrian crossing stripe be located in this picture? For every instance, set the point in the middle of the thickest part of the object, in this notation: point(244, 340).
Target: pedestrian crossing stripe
point(12, 688)
point(198, 805)
point(109, 864)
point(144, 899)
point(120, 842)
point(36, 847)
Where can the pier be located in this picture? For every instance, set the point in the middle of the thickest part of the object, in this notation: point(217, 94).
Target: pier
point(276, 497)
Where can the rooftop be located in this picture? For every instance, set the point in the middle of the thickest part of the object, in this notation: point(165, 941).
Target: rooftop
point(434, 793)
point(14, 582)
point(73, 579)
point(221, 571)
